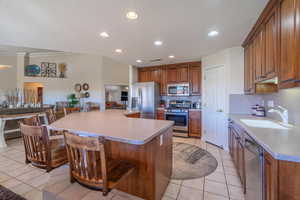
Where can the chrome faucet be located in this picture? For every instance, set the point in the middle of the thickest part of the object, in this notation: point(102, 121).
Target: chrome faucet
point(283, 112)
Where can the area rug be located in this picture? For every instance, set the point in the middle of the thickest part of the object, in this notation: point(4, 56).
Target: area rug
point(191, 162)
point(6, 194)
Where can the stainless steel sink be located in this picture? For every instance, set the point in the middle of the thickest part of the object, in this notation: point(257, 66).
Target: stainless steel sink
point(260, 123)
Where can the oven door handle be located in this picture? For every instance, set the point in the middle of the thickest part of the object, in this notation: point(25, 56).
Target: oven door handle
point(181, 114)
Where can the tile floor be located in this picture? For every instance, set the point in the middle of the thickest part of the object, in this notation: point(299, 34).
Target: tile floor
point(29, 181)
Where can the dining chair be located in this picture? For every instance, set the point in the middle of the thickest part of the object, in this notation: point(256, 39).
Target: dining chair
point(71, 110)
point(91, 106)
point(40, 150)
point(91, 166)
point(50, 114)
point(32, 121)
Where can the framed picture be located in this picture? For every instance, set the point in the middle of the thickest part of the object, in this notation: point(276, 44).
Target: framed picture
point(44, 69)
point(52, 71)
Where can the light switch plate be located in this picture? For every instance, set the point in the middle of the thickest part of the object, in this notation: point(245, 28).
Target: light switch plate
point(270, 103)
point(161, 140)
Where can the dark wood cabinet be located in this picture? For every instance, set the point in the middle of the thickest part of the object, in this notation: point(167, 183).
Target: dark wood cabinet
point(174, 73)
point(195, 123)
point(259, 56)
point(160, 114)
point(195, 78)
point(289, 43)
point(271, 172)
point(248, 70)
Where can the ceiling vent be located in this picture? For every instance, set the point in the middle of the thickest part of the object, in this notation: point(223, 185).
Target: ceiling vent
point(156, 60)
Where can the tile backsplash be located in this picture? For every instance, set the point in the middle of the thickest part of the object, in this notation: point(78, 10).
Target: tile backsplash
point(287, 98)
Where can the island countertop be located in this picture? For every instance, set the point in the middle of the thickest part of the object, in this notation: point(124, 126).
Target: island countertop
point(113, 125)
point(282, 144)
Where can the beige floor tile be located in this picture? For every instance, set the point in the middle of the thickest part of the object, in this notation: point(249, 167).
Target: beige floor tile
point(233, 180)
point(172, 190)
point(29, 175)
point(187, 193)
point(22, 189)
point(73, 192)
point(230, 171)
point(11, 183)
point(38, 181)
point(4, 177)
point(34, 195)
point(126, 195)
point(167, 198)
point(215, 187)
point(211, 196)
point(20, 171)
point(58, 187)
point(229, 164)
point(194, 183)
point(236, 193)
point(97, 195)
point(178, 182)
point(217, 177)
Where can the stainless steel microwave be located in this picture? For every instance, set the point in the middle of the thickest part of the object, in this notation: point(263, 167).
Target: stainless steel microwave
point(182, 89)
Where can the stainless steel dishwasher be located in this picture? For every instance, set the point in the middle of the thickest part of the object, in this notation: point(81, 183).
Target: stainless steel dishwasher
point(254, 167)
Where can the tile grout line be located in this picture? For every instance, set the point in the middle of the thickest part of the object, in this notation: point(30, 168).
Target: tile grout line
point(225, 177)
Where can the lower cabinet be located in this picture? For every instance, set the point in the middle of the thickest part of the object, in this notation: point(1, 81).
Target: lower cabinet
point(134, 115)
point(195, 123)
point(270, 173)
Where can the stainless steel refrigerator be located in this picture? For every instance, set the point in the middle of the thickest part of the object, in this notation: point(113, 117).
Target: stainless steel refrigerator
point(145, 98)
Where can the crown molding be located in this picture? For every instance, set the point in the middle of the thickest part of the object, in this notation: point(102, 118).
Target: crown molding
point(46, 54)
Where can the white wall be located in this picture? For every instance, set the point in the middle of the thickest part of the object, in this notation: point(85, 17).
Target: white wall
point(115, 73)
point(233, 61)
point(8, 78)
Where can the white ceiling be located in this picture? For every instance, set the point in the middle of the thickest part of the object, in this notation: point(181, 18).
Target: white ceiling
point(182, 25)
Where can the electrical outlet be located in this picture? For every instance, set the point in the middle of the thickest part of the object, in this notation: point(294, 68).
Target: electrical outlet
point(161, 140)
point(271, 103)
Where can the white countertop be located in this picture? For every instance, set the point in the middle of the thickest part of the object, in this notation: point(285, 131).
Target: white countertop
point(113, 125)
point(282, 144)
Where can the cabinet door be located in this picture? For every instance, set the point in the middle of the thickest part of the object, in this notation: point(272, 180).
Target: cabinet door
point(248, 73)
point(241, 163)
point(163, 81)
point(195, 124)
point(172, 74)
point(259, 65)
point(155, 75)
point(182, 73)
point(288, 71)
point(160, 114)
point(195, 78)
point(271, 42)
point(271, 175)
point(143, 75)
point(230, 141)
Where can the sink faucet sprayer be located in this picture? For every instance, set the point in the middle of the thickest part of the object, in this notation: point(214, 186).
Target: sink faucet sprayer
point(283, 113)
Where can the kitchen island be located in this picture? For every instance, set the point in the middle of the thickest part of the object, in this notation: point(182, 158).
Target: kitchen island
point(145, 142)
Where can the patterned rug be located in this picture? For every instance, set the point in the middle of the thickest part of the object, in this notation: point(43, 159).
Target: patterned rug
point(6, 194)
point(190, 162)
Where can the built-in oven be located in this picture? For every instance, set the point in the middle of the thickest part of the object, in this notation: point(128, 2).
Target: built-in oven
point(181, 121)
point(182, 89)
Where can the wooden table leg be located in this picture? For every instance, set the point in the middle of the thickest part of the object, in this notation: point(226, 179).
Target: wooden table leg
point(2, 139)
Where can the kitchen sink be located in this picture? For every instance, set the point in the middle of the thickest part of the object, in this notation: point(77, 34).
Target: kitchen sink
point(258, 123)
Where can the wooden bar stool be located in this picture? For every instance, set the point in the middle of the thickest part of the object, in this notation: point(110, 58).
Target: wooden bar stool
point(51, 116)
point(90, 165)
point(71, 110)
point(32, 121)
point(41, 151)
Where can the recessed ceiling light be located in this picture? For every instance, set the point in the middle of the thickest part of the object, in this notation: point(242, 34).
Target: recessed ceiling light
point(171, 56)
point(138, 61)
point(132, 15)
point(158, 43)
point(213, 33)
point(118, 51)
point(104, 35)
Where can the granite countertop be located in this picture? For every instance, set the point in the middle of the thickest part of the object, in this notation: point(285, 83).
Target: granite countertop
point(113, 125)
point(282, 144)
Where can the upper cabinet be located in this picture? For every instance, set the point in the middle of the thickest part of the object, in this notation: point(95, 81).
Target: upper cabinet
point(259, 56)
point(249, 60)
point(173, 73)
point(289, 43)
point(195, 78)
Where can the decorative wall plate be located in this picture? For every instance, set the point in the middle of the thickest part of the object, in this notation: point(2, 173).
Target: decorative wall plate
point(77, 87)
point(85, 87)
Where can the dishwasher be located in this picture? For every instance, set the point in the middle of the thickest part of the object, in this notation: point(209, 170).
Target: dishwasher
point(254, 168)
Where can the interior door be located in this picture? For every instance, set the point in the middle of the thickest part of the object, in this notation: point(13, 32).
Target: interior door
point(214, 118)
